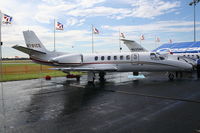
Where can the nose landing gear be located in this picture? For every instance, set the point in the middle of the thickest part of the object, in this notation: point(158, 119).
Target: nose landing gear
point(171, 76)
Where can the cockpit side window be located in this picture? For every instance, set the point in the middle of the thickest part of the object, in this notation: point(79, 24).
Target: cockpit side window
point(128, 57)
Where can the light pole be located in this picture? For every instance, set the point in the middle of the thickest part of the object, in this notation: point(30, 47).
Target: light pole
point(194, 2)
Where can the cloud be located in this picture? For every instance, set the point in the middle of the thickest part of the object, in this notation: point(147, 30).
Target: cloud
point(140, 9)
point(90, 8)
point(151, 9)
point(73, 21)
point(98, 11)
point(55, 9)
point(160, 26)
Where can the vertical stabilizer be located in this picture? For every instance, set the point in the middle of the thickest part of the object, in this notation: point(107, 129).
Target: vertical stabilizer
point(33, 42)
point(134, 46)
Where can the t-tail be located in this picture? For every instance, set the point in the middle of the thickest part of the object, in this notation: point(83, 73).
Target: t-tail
point(33, 42)
point(134, 46)
point(34, 45)
point(36, 50)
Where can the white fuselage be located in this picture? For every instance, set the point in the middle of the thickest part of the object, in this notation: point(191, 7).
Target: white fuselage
point(124, 62)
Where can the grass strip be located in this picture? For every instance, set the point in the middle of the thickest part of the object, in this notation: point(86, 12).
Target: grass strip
point(26, 76)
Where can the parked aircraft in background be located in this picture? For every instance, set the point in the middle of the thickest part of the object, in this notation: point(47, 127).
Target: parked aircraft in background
point(186, 49)
point(189, 51)
point(101, 62)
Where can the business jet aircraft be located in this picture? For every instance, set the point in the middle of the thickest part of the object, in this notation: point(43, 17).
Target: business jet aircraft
point(101, 62)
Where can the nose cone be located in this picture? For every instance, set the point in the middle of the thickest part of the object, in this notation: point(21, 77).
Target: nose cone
point(186, 66)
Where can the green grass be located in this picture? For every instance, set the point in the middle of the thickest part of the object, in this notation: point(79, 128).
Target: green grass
point(13, 77)
point(28, 71)
point(30, 64)
point(17, 61)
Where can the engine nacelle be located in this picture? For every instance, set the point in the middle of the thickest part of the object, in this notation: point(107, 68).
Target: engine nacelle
point(68, 59)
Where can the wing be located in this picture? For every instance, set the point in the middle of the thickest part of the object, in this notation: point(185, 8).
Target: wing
point(97, 68)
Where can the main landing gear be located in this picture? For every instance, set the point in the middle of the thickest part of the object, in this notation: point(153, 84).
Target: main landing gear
point(91, 77)
point(102, 76)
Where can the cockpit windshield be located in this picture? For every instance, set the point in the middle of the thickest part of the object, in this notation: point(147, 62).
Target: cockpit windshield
point(158, 56)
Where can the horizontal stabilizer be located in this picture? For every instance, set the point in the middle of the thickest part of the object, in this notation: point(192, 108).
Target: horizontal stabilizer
point(27, 50)
point(134, 46)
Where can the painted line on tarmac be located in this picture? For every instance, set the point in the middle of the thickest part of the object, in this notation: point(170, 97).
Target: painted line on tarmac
point(79, 86)
point(42, 93)
point(48, 92)
point(155, 96)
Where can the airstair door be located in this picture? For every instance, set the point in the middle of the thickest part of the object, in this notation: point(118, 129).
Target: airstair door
point(135, 58)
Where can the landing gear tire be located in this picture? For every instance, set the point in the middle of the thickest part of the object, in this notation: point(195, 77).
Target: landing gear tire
point(171, 76)
point(78, 78)
point(198, 71)
point(91, 77)
point(135, 73)
point(102, 76)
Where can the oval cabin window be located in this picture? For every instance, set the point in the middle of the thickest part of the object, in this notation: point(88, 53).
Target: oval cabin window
point(102, 57)
point(96, 58)
point(115, 57)
point(108, 57)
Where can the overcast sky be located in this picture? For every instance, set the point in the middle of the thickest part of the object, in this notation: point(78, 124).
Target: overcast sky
point(166, 19)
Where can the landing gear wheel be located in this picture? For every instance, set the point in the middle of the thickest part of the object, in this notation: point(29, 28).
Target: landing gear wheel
point(78, 78)
point(102, 76)
point(91, 77)
point(171, 76)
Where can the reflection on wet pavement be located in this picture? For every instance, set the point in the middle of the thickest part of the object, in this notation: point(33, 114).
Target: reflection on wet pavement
point(62, 105)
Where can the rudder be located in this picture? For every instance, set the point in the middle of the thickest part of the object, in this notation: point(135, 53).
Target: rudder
point(33, 42)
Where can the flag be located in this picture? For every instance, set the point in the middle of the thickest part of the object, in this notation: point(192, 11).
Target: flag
point(170, 40)
point(157, 39)
point(95, 31)
point(6, 19)
point(142, 37)
point(122, 35)
point(59, 26)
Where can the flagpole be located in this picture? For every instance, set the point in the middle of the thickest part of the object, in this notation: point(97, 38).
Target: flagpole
point(119, 42)
point(1, 78)
point(54, 34)
point(92, 40)
point(1, 43)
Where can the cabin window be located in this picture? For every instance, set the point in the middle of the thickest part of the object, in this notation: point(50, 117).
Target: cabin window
point(115, 57)
point(188, 55)
point(128, 57)
point(108, 57)
point(96, 58)
point(121, 57)
point(102, 57)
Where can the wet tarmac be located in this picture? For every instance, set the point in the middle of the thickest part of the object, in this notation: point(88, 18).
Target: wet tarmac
point(121, 104)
